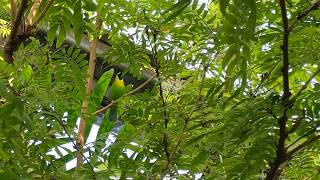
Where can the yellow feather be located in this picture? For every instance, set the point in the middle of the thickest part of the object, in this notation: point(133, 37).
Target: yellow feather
point(118, 83)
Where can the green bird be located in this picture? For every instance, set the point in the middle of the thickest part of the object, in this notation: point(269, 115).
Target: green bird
point(117, 90)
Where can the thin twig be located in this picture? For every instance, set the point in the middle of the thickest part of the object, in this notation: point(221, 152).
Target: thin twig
point(185, 125)
point(127, 94)
point(164, 104)
point(305, 85)
point(255, 91)
point(72, 140)
point(296, 123)
point(303, 145)
point(301, 137)
point(304, 13)
point(156, 64)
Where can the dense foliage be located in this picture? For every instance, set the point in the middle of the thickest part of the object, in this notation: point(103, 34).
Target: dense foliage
point(226, 101)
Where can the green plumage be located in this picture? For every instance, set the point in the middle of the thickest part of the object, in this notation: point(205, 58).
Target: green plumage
point(116, 91)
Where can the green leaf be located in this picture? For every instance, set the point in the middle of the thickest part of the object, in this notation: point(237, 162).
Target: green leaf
point(3, 91)
point(96, 97)
point(78, 32)
point(223, 5)
point(75, 54)
point(200, 158)
point(214, 90)
point(211, 19)
point(52, 32)
point(232, 50)
point(101, 87)
point(179, 11)
point(70, 50)
point(178, 5)
point(78, 22)
point(252, 18)
point(194, 4)
point(195, 140)
point(205, 13)
point(200, 10)
point(62, 36)
point(6, 110)
point(89, 5)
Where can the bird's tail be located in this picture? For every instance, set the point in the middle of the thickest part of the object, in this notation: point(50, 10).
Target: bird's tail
point(113, 113)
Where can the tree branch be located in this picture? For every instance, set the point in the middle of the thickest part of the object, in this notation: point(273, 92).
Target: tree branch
point(275, 169)
point(282, 155)
point(13, 41)
point(127, 94)
point(285, 51)
point(154, 62)
point(304, 13)
point(89, 86)
point(165, 113)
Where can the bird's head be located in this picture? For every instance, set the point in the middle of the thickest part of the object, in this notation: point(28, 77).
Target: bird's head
point(119, 75)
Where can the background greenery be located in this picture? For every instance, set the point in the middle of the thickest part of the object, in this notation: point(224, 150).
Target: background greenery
point(214, 107)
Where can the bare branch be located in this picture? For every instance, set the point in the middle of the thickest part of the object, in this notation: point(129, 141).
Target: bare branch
point(89, 86)
point(275, 169)
point(285, 51)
